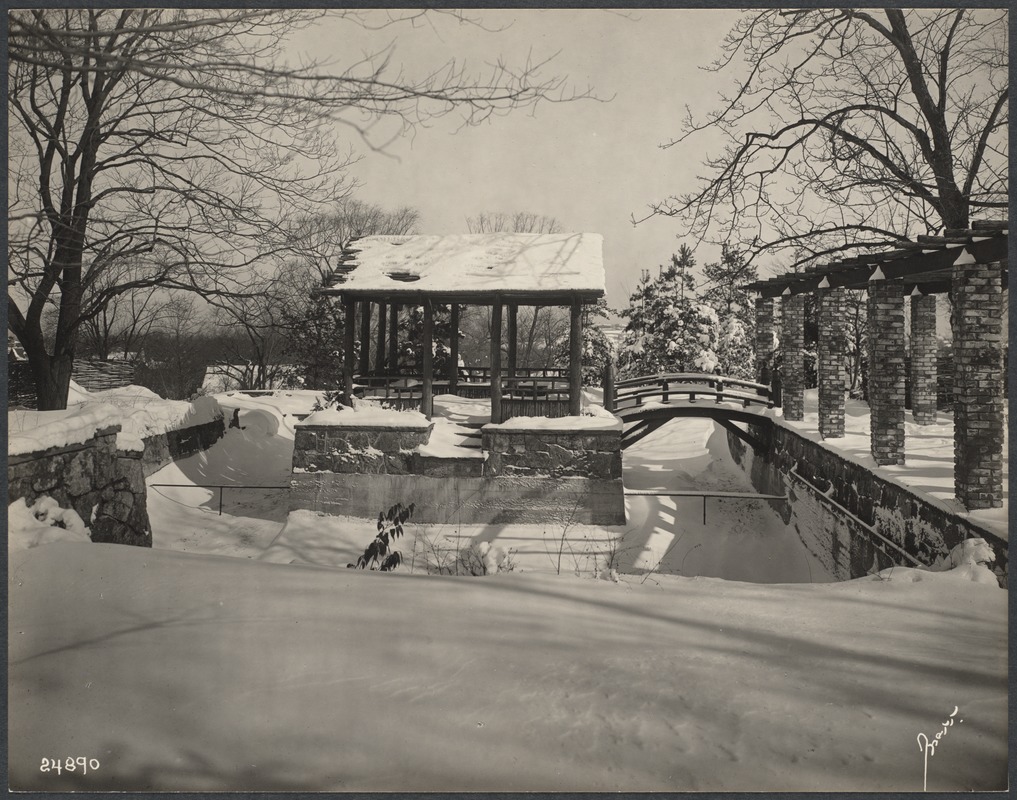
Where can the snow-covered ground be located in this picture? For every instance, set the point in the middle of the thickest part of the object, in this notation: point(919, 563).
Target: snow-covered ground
point(180, 669)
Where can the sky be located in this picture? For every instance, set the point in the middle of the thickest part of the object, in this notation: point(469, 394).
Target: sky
point(591, 164)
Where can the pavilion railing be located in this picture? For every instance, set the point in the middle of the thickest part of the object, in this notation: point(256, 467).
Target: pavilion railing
point(531, 392)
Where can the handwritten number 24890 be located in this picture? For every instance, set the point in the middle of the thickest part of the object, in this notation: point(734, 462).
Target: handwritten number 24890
point(61, 765)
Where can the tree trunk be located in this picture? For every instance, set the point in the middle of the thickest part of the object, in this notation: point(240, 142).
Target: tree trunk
point(52, 377)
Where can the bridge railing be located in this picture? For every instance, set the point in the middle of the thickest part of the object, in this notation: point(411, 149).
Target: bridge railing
point(690, 386)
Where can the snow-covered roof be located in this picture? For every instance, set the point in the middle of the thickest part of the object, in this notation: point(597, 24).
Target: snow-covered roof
point(477, 266)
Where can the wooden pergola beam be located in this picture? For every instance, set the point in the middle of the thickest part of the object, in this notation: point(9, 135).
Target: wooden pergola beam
point(915, 263)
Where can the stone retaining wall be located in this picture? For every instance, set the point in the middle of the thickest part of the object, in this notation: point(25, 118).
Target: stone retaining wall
point(105, 486)
point(164, 448)
point(804, 469)
point(348, 449)
point(592, 454)
point(533, 476)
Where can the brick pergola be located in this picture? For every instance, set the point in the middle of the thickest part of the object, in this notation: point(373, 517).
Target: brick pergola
point(970, 266)
point(500, 270)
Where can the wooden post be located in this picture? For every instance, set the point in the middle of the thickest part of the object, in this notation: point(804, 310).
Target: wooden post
point(609, 385)
point(364, 364)
point(380, 365)
point(453, 350)
point(393, 341)
point(513, 314)
point(427, 360)
point(496, 361)
point(576, 359)
point(349, 344)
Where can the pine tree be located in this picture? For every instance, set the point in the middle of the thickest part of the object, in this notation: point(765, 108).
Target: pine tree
point(724, 292)
point(669, 329)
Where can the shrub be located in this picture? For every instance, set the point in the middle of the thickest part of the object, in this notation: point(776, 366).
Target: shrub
point(379, 554)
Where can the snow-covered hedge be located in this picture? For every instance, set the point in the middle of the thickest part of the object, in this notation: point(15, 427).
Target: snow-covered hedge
point(43, 522)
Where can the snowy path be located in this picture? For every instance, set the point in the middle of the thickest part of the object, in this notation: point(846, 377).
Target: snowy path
point(742, 539)
point(187, 519)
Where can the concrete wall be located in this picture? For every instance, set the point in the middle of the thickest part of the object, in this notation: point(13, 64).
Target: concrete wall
point(816, 478)
point(464, 500)
point(106, 487)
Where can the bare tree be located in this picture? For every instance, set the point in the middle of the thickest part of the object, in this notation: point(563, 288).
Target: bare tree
point(180, 347)
point(517, 222)
point(542, 324)
point(254, 328)
point(850, 127)
point(122, 320)
point(183, 135)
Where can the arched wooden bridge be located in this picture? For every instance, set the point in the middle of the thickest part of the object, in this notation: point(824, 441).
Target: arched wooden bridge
point(646, 402)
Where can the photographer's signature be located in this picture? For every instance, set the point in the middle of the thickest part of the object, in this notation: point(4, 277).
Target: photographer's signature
point(928, 746)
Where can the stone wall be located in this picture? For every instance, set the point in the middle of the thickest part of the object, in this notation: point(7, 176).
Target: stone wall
point(816, 478)
point(553, 453)
point(530, 476)
point(164, 448)
point(106, 487)
point(357, 450)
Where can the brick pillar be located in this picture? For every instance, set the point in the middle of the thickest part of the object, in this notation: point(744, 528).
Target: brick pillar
point(923, 358)
point(792, 348)
point(764, 334)
point(978, 384)
point(832, 347)
point(886, 371)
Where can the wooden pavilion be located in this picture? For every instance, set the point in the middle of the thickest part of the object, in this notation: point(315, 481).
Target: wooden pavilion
point(384, 275)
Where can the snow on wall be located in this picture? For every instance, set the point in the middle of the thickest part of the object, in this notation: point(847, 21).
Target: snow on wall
point(138, 411)
point(585, 422)
point(366, 415)
point(35, 431)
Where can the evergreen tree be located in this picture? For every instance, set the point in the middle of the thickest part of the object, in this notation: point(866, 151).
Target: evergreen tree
point(669, 329)
point(411, 337)
point(315, 341)
point(597, 348)
point(724, 292)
